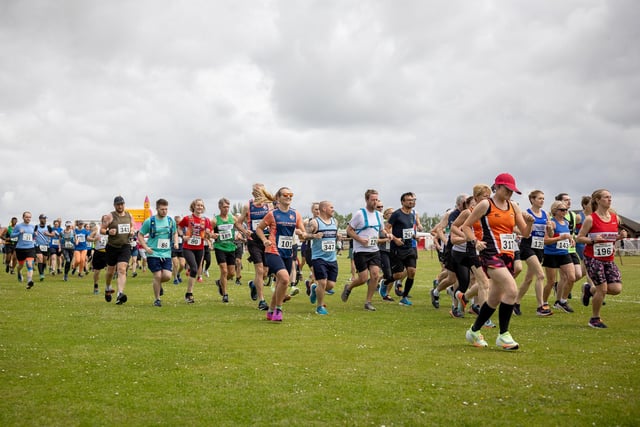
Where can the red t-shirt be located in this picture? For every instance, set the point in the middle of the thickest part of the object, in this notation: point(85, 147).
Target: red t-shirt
point(194, 231)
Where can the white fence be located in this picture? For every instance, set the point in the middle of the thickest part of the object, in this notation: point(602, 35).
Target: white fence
point(628, 247)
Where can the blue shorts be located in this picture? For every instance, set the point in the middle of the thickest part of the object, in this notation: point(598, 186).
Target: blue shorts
point(277, 263)
point(323, 269)
point(156, 264)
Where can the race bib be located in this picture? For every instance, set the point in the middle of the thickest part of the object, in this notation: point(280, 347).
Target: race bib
point(80, 238)
point(329, 245)
point(55, 242)
point(373, 241)
point(194, 241)
point(537, 242)
point(285, 242)
point(69, 245)
point(254, 224)
point(180, 240)
point(563, 244)
point(27, 237)
point(124, 228)
point(508, 242)
point(164, 244)
point(226, 232)
point(44, 248)
point(407, 233)
point(602, 250)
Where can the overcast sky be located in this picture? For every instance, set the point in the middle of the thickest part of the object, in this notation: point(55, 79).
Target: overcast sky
point(187, 99)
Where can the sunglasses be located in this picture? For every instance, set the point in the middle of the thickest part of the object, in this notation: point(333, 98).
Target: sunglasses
point(563, 210)
point(286, 194)
point(379, 207)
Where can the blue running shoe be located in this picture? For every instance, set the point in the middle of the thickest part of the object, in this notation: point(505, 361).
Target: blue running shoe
point(313, 297)
point(382, 289)
point(405, 301)
point(321, 311)
point(330, 292)
point(176, 281)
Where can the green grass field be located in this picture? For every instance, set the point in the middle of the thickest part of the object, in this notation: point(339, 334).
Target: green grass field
point(68, 358)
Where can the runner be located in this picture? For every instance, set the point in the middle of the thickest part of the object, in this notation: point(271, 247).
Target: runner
point(25, 247)
point(118, 226)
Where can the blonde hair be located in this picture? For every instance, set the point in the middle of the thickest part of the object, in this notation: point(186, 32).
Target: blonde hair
point(480, 189)
point(261, 195)
point(534, 194)
point(595, 197)
point(557, 205)
point(192, 206)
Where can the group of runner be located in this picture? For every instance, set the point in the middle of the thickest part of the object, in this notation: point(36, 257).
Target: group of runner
point(486, 236)
point(479, 257)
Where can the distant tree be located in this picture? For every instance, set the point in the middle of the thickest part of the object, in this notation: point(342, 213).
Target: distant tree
point(428, 222)
point(342, 220)
point(236, 209)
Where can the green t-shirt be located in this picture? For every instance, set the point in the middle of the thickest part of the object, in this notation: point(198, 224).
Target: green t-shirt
point(226, 234)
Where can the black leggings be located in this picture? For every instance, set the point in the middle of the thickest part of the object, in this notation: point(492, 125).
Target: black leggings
point(193, 257)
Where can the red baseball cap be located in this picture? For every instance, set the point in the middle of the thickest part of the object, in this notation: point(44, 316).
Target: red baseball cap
point(508, 181)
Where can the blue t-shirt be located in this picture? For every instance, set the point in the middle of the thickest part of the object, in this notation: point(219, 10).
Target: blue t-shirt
point(25, 234)
point(161, 242)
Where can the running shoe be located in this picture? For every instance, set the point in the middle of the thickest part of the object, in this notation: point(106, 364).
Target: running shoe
point(238, 282)
point(559, 306)
point(475, 338)
point(330, 291)
point(206, 273)
point(179, 278)
point(345, 293)
point(199, 279)
point(544, 310)
point(219, 285)
point(307, 286)
point(108, 292)
point(405, 301)
point(382, 288)
point(312, 295)
point(65, 278)
point(489, 324)
point(20, 277)
point(253, 291)
point(321, 311)
point(277, 316)
point(157, 303)
point(369, 307)
point(586, 294)
point(454, 312)
point(96, 290)
point(121, 298)
point(435, 299)
point(176, 281)
point(596, 323)
point(462, 300)
point(30, 284)
point(294, 291)
point(397, 285)
point(388, 298)
point(225, 298)
point(506, 342)
point(263, 306)
point(188, 298)
point(135, 274)
point(516, 309)
point(269, 315)
point(42, 277)
point(161, 291)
